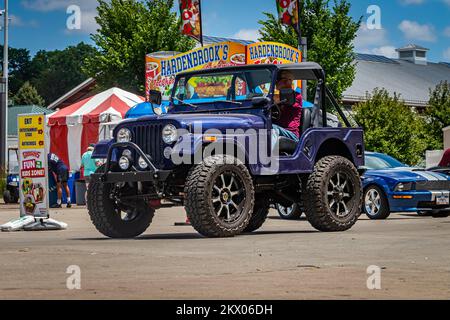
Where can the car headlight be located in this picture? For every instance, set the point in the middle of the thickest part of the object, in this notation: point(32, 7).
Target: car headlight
point(403, 186)
point(170, 134)
point(124, 163)
point(124, 135)
point(142, 163)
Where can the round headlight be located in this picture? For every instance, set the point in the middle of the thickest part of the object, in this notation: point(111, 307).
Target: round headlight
point(169, 134)
point(124, 163)
point(124, 135)
point(142, 163)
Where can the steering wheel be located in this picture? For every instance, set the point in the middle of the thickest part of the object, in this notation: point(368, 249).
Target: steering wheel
point(275, 111)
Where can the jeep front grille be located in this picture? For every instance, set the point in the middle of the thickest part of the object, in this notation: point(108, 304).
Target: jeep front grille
point(148, 138)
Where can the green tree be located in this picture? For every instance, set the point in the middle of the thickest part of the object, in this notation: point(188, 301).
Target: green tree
point(438, 115)
point(330, 32)
point(19, 67)
point(54, 73)
point(28, 95)
point(128, 30)
point(391, 127)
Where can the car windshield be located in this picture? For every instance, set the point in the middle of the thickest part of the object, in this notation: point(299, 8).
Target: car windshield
point(232, 86)
point(379, 162)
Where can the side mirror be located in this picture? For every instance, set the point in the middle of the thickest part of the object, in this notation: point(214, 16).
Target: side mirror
point(155, 97)
point(260, 101)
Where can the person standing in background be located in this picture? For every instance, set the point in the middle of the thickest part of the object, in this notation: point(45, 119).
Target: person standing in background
point(89, 165)
point(61, 174)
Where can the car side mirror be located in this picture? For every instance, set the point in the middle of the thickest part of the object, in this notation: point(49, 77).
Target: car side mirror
point(260, 101)
point(155, 97)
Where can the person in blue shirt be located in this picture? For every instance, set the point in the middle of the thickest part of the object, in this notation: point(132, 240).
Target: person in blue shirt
point(61, 174)
point(89, 165)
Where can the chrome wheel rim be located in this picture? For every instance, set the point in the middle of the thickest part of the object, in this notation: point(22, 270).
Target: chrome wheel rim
point(228, 197)
point(340, 193)
point(372, 202)
point(285, 211)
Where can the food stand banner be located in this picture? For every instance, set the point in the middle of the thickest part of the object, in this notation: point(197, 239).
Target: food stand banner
point(192, 19)
point(288, 12)
point(160, 73)
point(272, 53)
point(33, 166)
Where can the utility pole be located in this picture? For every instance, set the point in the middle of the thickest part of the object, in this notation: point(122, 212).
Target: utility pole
point(4, 94)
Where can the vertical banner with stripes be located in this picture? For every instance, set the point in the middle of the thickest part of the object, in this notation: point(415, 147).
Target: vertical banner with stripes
point(191, 18)
point(288, 12)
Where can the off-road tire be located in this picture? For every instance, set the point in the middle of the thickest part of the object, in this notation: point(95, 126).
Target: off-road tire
point(107, 221)
point(198, 190)
point(384, 212)
point(259, 216)
point(317, 208)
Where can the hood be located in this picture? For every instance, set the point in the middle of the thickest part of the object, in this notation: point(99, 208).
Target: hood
point(407, 174)
point(208, 121)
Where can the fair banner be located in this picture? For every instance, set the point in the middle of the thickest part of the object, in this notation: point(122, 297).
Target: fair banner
point(33, 185)
point(288, 12)
point(160, 73)
point(191, 18)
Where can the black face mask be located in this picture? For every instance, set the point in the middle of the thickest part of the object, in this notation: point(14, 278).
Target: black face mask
point(287, 96)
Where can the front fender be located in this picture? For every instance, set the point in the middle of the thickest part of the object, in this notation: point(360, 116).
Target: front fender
point(102, 148)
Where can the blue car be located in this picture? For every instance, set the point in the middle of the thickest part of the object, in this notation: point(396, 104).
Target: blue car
point(391, 186)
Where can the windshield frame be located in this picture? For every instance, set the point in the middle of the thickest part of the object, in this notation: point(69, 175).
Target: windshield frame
point(223, 71)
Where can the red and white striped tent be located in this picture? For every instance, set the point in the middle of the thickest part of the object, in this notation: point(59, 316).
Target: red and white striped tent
point(72, 129)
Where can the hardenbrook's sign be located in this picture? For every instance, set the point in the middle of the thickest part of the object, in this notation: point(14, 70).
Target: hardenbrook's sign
point(161, 68)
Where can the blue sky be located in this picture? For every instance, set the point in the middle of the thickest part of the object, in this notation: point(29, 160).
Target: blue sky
point(41, 24)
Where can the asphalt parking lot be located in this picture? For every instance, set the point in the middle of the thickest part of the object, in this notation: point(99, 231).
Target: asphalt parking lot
point(283, 260)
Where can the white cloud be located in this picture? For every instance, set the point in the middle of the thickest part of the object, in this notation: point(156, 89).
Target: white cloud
point(446, 2)
point(366, 37)
point(446, 54)
point(247, 34)
point(88, 11)
point(387, 51)
point(409, 2)
point(447, 31)
point(415, 31)
point(52, 5)
point(16, 21)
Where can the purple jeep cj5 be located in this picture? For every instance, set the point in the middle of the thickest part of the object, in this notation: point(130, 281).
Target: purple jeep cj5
point(215, 153)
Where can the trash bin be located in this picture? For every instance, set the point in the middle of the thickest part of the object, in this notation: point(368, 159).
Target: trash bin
point(53, 195)
point(80, 191)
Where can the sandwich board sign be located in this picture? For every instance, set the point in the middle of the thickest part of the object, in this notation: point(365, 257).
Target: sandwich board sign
point(33, 188)
point(33, 176)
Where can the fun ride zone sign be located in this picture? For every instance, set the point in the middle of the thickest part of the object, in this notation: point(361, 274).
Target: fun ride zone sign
point(33, 166)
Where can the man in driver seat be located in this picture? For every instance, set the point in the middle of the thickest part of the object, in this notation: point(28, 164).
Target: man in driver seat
point(289, 123)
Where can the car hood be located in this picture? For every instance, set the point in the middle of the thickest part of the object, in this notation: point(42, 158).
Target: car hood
point(208, 121)
point(407, 174)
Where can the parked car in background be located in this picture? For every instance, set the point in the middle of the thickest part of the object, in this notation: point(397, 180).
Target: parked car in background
point(391, 186)
point(444, 165)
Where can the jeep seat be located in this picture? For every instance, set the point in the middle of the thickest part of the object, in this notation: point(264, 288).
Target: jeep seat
point(286, 145)
point(305, 121)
